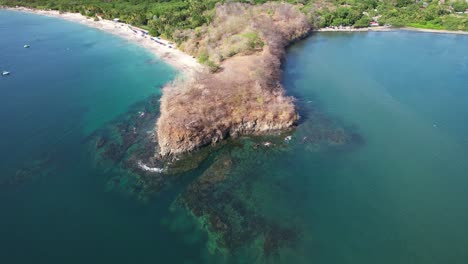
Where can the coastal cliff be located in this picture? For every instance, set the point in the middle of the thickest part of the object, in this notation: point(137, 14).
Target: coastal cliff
point(244, 46)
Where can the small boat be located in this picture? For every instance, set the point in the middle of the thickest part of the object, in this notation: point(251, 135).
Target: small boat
point(5, 73)
point(26, 46)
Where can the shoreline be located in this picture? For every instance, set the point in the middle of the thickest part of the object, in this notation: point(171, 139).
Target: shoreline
point(181, 61)
point(439, 31)
point(390, 29)
point(350, 29)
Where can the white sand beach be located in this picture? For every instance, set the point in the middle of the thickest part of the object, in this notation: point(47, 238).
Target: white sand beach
point(388, 28)
point(178, 59)
point(440, 31)
point(351, 29)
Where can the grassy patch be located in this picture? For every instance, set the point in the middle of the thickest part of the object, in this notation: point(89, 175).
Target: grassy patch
point(426, 25)
point(254, 40)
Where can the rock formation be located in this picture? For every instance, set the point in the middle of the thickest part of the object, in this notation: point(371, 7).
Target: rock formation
point(244, 96)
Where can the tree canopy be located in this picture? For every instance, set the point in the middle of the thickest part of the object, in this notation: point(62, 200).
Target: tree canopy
point(165, 17)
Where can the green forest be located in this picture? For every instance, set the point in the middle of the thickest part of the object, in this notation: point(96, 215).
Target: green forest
point(397, 13)
point(164, 17)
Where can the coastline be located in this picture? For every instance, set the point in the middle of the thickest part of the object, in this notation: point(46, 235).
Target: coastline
point(389, 29)
point(183, 62)
point(439, 31)
point(174, 57)
point(350, 29)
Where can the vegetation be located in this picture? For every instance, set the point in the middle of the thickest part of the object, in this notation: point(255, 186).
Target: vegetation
point(161, 17)
point(429, 14)
point(168, 17)
point(246, 96)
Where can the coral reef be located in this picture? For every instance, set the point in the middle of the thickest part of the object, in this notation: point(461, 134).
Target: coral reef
point(220, 199)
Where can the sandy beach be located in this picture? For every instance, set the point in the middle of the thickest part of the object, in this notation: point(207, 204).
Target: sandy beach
point(351, 29)
point(176, 58)
point(387, 28)
point(440, 31)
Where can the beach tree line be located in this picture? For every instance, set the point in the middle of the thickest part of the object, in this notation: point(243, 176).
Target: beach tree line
point(431, 14)
point(160, 17)
point(167, 18)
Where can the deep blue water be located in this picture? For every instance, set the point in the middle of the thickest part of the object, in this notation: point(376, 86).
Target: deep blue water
point(374, 173)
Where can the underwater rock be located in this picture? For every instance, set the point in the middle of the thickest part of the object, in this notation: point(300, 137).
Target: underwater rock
point(219, 199)
point(320, 132)
point(30, 173)
point(114, 152)
point(277, 237)
point(100, 142)
point(223, 199)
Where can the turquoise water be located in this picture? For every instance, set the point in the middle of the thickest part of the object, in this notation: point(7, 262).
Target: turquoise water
point(401, 197)
point(374, 173)
point(72, 81)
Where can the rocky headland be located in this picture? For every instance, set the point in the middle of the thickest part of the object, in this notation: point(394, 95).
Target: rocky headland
point(241, 94)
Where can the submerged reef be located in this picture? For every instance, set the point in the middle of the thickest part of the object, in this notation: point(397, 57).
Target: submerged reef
point(129, 145)
point(125, 143)
point(229, 189)
point(30, 172)
point(221, 200)
point(322, 132)
point(232, 199)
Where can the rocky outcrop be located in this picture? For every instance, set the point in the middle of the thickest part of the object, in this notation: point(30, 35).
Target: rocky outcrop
point(245, 96)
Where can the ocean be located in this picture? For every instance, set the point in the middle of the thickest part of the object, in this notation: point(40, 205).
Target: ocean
point(375, 172)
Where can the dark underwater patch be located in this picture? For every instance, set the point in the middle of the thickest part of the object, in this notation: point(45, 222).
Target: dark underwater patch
point(222, 182)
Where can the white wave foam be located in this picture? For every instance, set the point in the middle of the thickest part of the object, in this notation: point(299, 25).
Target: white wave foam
point(147, 168)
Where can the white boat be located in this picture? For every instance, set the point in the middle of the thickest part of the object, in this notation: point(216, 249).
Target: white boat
point(27, 46)
point(5, 73)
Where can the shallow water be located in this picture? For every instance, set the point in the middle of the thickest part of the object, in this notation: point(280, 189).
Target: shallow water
point(375, 172)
